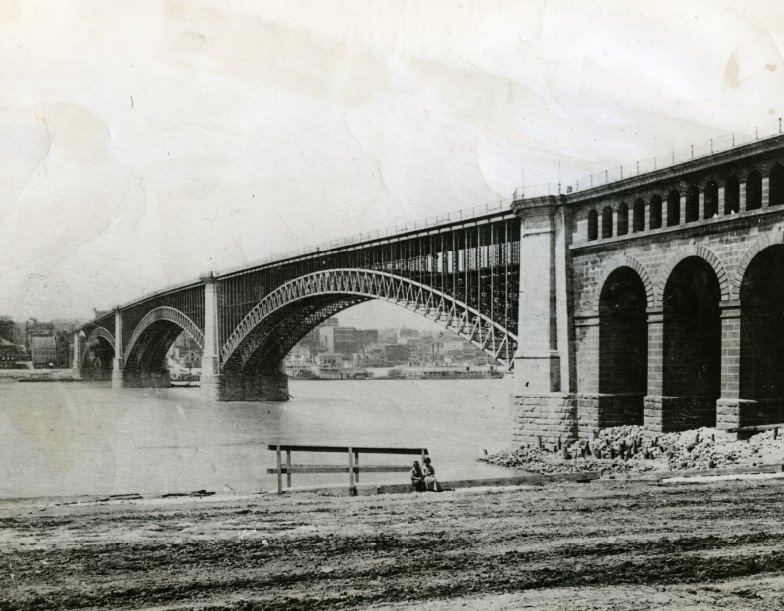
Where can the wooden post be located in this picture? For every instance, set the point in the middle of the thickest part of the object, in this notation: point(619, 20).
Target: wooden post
point(350, 472)
point(356, 463)
point(288, 468)
point(280, 475)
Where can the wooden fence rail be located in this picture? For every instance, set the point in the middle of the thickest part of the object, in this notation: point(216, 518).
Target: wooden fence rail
point(352, 467)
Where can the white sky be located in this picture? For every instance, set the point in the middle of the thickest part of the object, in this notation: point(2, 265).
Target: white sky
point(145, 142)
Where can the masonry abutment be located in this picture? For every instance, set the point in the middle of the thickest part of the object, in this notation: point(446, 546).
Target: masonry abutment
point(543, 406)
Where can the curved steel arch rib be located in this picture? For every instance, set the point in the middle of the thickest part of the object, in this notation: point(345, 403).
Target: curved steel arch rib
point(95, 334)
point(163, 314)
point(454, 315)
point(278, 333)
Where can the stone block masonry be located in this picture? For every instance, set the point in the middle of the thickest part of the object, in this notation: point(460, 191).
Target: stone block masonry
point(546, 416)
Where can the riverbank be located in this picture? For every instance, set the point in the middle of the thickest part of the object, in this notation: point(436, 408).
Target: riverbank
point(631, 449)
point(634, 545)
point(37, 375)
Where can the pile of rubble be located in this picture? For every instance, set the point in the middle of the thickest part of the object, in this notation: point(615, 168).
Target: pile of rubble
point(626, 449)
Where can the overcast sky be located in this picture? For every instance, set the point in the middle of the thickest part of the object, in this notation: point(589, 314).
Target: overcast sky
point(144, 143)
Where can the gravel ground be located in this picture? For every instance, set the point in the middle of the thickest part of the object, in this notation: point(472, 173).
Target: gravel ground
point(572, 546)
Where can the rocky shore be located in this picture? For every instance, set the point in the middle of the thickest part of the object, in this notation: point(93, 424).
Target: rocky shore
point(628, 449)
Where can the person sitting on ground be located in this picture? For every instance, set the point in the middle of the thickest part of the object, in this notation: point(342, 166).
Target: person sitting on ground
point(431, 482)
point(417, 478)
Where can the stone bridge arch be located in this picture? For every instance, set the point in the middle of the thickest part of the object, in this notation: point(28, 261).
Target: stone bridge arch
point(772, 238)
point(705, 254)
point(625, 261)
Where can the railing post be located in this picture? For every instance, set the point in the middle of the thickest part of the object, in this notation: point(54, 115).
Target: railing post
point(288, 468)
point(280, 474)
point(356, 464)
point(350, 472)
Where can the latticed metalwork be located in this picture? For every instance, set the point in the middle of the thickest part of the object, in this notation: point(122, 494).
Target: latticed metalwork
point(458, 317)
point(164, 314)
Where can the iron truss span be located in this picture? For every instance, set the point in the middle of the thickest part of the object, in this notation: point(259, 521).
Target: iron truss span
point(167, 314)
point(454, 315)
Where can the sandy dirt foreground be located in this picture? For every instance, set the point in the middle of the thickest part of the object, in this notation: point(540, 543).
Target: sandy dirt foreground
point(570, 546)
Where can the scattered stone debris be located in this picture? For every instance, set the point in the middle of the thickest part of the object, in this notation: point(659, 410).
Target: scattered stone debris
point(631, 449)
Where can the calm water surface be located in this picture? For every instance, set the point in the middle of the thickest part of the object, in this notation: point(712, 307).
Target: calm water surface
point(85, 438)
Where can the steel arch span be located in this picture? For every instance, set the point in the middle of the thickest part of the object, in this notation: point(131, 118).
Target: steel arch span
point(165, 314)
point(95, 334)
point(332, 286)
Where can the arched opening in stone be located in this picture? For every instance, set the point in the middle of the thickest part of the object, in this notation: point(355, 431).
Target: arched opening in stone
point(638, 216)
point(776, 186)
point(692, 204)
point(691, 346)
point(673, 208)
point(623, 348)
point(711, 205)
point(762, 336)
point(656, 212)
point(607, 222)
point(593, 225)
point(732, 195)
point(623, 219)
point(754, 190)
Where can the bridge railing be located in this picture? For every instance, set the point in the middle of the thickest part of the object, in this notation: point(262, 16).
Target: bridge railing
point(717, 144)
point(465, 214)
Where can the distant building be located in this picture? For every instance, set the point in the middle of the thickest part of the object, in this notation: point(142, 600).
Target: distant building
point(63, 341)
point(41, 343)
point(365, 337)
point(7, 329)
point(42, 350)
point(327, 337)
point(186, 352)
point(344, 340)
point(11, 355)
point(396, 354)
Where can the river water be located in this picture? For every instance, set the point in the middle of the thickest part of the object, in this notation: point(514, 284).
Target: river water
point(86, 438)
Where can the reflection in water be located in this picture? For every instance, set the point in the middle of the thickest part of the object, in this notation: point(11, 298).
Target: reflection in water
point(85, 438)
